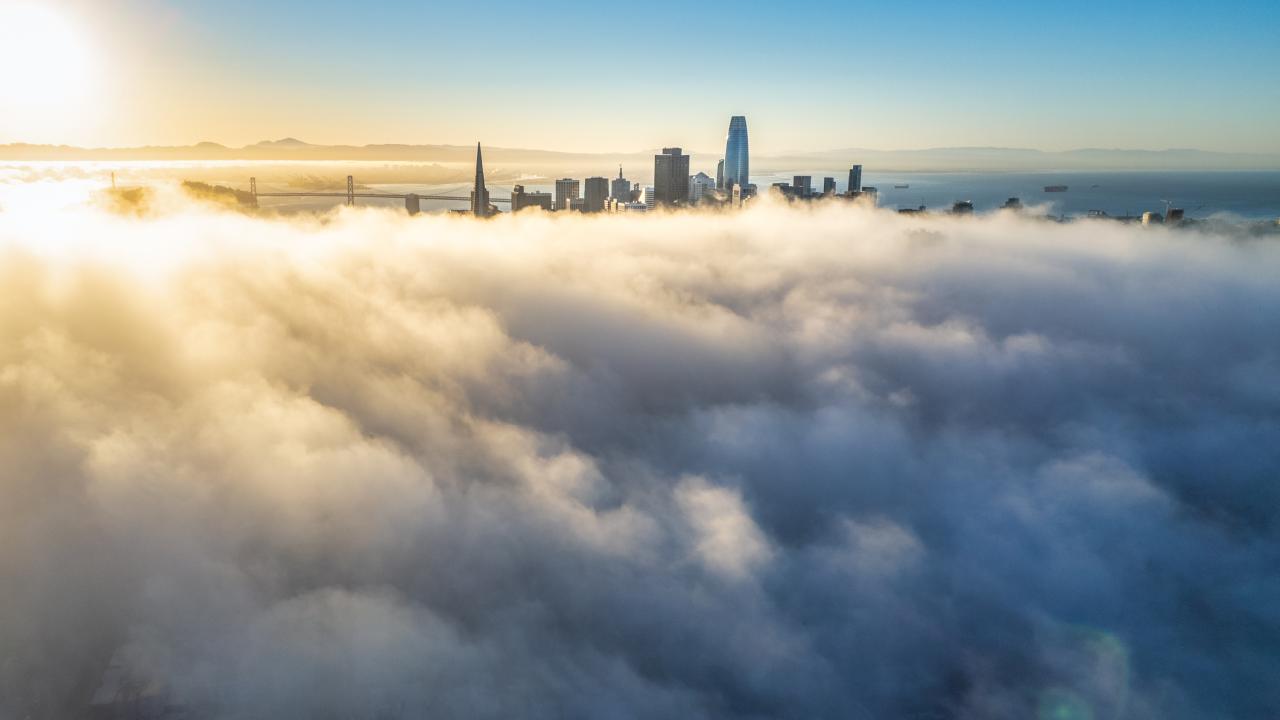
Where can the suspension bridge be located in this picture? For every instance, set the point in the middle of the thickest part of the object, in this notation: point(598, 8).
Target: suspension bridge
point(411, 200)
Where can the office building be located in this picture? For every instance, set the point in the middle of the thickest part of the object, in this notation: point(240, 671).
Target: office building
point(828, 186)
point(737, 160)
point(671, 177)
point(720, 174)
point(566, 192)
point(479, 194)
point(595, 193)
point(650, 197)
point(521, 200)
point(855, 179)
point(621, 188)
point(701, 185)
point(802, 186)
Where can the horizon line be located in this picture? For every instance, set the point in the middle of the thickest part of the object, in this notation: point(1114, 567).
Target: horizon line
point(284, 144)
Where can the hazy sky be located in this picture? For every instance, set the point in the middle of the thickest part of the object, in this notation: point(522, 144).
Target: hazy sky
point(629, 76)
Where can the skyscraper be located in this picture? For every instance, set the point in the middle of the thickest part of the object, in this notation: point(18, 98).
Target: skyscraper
point(671, 177)
point(802, 185)
point(621, 188)
point(479, 194)
point(828, 186)
point(566, 193)
point(596, 192)
point(737, 166)
point(720, 174)
point(855, 178)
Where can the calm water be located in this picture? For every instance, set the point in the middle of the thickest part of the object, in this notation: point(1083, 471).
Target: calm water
point(1201, 194)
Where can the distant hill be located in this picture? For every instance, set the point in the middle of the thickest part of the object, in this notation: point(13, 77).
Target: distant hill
point(284, 143)
point(549, 162)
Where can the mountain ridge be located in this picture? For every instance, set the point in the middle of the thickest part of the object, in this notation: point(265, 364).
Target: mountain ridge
point(977, 158)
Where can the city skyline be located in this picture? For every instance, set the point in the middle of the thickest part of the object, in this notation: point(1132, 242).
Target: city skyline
point(143, 72)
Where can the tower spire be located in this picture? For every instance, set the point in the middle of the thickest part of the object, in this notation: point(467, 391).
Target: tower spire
point(479, 194)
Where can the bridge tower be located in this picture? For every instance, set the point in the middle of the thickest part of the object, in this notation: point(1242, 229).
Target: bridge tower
point(253, 187)
point(351, 191)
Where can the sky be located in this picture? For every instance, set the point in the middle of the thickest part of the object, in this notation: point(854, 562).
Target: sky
point(597, 78)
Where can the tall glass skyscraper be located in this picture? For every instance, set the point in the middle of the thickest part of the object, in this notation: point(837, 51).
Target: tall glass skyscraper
point(737, 167)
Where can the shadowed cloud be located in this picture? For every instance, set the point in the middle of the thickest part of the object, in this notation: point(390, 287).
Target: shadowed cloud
point(790, 463)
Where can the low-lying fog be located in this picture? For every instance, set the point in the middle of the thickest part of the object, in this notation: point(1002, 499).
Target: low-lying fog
point(780, 463)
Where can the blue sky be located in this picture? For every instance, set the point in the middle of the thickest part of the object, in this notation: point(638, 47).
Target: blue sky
point(595, 76)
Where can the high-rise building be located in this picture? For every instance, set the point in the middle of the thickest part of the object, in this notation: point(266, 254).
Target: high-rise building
point(737, 160)
point(671, 177)
point(720, 174)
point(828, 185)
point(802, 185)
point(479, 194)
point(521, 199)
point(621, 188)
point(595, 193)
point(566, 193)
point(650, 198)
point(700, 185)
point(855, 179)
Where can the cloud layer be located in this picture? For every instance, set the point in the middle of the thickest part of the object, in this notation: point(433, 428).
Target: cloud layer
point(781, 463)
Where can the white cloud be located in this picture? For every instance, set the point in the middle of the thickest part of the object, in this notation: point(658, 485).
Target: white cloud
point(777, 463)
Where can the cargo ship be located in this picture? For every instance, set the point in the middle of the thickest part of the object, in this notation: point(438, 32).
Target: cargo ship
point(901, 187)
point(1055, 188)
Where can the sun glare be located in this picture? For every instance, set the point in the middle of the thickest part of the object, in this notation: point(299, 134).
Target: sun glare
point(45, 64)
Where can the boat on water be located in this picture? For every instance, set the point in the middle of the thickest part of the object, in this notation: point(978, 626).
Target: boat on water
point(901, 187)
point(1055, 188)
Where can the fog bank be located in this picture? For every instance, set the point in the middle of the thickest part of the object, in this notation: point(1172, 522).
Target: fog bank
point(783, 463)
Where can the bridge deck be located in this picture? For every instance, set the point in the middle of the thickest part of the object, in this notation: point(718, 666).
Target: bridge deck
point(389, 196)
